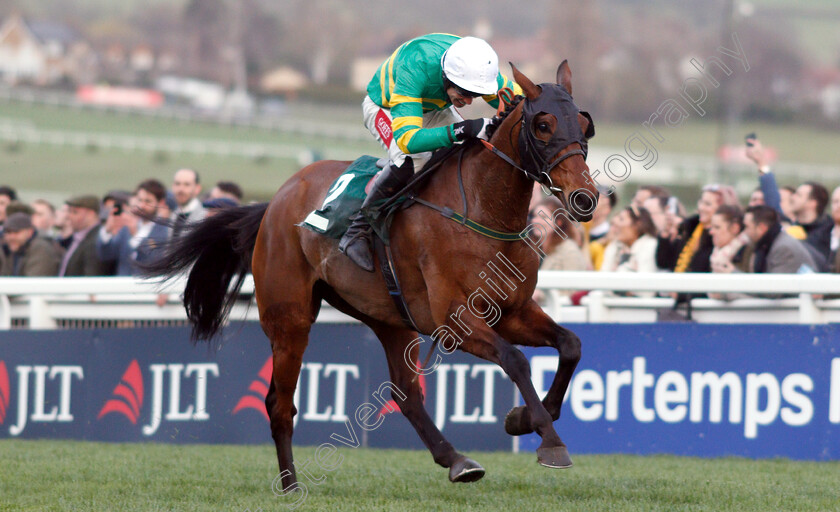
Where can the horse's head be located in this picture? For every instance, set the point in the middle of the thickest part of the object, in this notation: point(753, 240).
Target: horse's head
point(553, 138)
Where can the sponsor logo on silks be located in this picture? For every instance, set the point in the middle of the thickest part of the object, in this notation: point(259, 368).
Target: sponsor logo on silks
point(4, 391)
point(127, 397)
point(257, 391)
point(383, 127)
point(392, 405)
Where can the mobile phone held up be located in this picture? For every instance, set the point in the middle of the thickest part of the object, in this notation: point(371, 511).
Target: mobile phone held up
point(749, 139)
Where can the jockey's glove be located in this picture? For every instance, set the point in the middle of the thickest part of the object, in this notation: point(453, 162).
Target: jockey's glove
point(471, 129)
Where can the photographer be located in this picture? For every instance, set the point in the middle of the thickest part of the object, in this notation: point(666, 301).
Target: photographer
point(126, 237)
point(807, 206)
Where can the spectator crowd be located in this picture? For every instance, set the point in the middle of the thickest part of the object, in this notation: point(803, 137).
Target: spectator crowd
point(778, 230)
point(92, 236)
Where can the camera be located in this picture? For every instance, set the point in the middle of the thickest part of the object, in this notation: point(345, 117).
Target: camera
point(673, 205)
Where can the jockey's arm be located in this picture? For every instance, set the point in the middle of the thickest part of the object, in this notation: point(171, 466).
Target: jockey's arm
point(407, 124)
point(407, 117)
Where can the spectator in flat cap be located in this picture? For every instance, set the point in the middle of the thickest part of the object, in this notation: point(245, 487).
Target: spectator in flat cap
point(80, 258)
point(24, 252)
point(214, 205)
point(228, 189)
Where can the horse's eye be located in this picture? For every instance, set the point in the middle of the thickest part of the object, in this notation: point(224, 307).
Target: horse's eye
point(543, 127)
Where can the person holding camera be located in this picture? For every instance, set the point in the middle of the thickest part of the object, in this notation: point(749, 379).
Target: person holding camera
point(128, 235)
point(807, 206)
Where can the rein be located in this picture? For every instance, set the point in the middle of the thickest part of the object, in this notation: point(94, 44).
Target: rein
point(462, 219)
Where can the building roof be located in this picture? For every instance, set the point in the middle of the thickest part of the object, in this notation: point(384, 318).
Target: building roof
point(46, 31)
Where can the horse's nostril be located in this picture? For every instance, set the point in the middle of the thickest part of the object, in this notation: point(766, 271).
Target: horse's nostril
point(582, 203)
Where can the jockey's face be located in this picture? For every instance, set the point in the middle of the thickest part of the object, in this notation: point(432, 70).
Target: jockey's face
point(458, 97)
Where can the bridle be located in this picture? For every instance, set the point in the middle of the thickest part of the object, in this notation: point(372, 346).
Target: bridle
point(535, 154)
point(541, 176)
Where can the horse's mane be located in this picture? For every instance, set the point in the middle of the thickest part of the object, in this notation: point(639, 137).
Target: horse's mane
point(498, 120)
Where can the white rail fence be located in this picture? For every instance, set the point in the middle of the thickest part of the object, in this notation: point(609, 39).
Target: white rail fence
point(50, 303)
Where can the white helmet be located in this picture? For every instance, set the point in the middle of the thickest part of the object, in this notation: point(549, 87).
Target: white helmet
point(471, 64)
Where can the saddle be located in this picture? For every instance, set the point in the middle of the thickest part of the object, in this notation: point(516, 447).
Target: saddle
point(344, 199)
point(345, 196)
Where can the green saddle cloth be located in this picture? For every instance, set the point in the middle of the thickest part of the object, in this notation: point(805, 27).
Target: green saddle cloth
point(344, 198)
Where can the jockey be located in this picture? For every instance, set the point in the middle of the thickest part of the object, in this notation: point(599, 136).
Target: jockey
point(409, 110)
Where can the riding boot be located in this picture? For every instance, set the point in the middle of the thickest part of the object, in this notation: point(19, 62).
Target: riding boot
point(357, 240)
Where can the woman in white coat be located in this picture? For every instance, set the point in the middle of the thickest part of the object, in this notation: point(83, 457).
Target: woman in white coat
point(633, 248)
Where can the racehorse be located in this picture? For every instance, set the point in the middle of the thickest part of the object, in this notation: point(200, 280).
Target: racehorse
point(540, 137)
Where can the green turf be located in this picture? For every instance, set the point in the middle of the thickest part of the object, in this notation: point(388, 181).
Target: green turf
point(62, 475)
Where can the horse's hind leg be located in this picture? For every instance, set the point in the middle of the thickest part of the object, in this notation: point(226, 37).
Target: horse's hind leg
point(289, 335)
point(409, 396)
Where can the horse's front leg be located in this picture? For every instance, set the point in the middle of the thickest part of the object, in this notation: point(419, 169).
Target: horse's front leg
point(532, 327)
point(401, 350)
point(485, 343)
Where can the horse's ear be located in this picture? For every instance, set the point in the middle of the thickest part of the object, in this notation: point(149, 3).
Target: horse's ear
point(531, 91)
point(564, 76)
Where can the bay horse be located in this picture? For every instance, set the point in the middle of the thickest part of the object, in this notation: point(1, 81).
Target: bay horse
point(294, 269)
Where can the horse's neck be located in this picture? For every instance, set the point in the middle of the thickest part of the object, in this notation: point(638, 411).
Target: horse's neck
point(498, 195)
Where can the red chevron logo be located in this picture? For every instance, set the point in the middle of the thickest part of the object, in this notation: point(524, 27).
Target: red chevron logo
point(127, 397)
point(258, 390)
point(392, 405)
point(4, 391)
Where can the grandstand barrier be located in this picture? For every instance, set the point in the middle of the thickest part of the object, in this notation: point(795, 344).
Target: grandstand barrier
point(688, 389)
point(98, 359)
point(755, 391)
point(152, 384)
point(46, 303)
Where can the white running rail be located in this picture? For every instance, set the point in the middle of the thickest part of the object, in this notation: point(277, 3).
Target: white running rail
point(48, 303)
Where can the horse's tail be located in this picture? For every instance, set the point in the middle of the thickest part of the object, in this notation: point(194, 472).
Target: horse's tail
point(214, 251)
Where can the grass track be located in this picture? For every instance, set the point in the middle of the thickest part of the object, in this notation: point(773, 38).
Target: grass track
point(64, 475)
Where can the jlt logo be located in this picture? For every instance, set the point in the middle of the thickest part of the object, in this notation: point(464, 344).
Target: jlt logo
point(314, 410)
point(457, 413)
point(485, 374)
point(47, 383)
point(325, 386)
point(127, 397)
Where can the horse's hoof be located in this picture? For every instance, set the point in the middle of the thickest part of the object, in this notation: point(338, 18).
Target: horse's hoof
point(517, 422)
point(554, 457)
point(465, 470)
